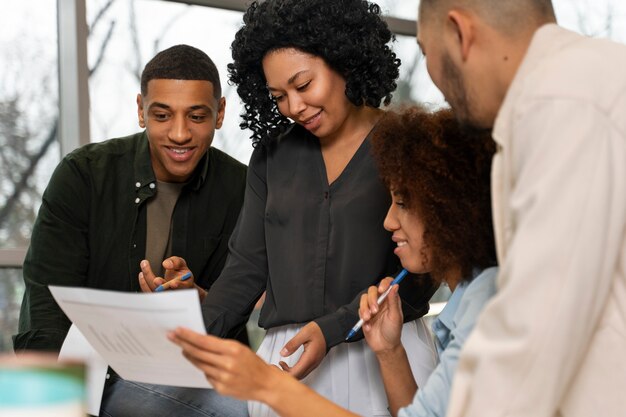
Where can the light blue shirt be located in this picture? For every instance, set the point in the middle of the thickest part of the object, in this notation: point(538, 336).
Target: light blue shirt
point(451, 329)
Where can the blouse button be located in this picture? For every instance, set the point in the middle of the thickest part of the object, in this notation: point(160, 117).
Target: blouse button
point(152, 185)
point(137, 184)
point(137, 200)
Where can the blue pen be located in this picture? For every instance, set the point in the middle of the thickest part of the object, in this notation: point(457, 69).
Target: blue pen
point(382, 297)
point(167, 284)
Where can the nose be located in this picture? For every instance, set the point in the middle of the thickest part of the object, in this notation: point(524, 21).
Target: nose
point(296, 104)
point(391, 223)
point(179, 131)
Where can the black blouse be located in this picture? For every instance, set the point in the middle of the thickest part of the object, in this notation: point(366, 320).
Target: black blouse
point(314, 247)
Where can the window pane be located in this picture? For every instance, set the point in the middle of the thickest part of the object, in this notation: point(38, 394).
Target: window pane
point(414, 84)
point(126, 35)
point(28, 114)
point(597, 18)
point(11, 292)
point(404, 9)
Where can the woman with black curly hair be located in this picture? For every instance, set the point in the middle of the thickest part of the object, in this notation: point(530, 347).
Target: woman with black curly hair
point(312, 75)
point(440, 218)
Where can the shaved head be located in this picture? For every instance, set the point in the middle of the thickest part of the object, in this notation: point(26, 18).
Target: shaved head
point(506, 16)
point(473, 49)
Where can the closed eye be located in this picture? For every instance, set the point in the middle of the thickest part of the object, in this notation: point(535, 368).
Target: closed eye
point(161, 117)
point(303, 86)
point(400, 204)
point(197, 117)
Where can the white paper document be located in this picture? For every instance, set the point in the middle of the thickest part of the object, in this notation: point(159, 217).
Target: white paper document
point(129, 330)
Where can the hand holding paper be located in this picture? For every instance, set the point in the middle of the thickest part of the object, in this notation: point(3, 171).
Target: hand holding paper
point(232, 368)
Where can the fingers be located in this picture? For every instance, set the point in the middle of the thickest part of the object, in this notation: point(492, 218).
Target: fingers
point(147, 277)
point(295, 342)
point(303, 367)
point(394, 304)
point(212, 373)
point(177, 275)
point(365, 312)
point(188, 337)
point(145, 287)
point(215, 366)
point(372, 299)
point(391, 306)
point(177, 283)
point(206, 350)
point(310, 333)
point(143, 284)
point(175, 263)
point(232, 368)
point(368, 306)
point(314, 342)
point(384, 284)
point(198, 355)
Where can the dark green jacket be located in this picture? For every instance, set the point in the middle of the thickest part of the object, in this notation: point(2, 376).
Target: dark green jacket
point(91, 228)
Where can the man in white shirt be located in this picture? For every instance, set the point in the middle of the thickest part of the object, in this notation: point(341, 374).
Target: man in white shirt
point(552, 341)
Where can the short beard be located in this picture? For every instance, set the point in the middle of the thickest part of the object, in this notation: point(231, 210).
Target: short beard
point(458, 97)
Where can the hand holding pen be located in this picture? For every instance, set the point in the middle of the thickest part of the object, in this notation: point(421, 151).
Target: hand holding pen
point(174, 282)
point(177, 276)
point(372, 307)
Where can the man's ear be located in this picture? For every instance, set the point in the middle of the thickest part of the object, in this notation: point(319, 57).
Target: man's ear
point(221, 109)
point(142, 122)
point(464, 31)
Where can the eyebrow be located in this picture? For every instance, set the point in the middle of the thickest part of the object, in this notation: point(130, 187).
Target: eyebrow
point(192, 108)
point(159, 105)
point(291, 79)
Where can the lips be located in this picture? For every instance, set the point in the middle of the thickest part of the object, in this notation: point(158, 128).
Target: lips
point(400, 243)
point(312, 122)
point(180, 154)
